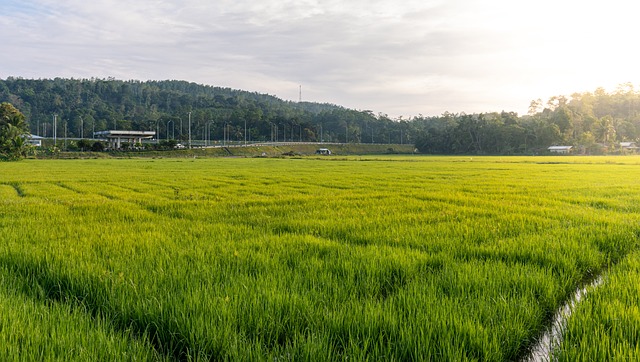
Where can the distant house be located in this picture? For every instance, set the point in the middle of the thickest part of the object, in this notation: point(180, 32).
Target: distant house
point(35, 140)
point(560, 149)
point(628, 146)
point(323, 151)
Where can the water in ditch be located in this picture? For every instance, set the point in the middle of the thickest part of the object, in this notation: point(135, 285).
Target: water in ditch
point(551, 339)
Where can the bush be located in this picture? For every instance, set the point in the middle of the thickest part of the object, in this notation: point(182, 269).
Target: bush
point(84, 145)
point(97, 146)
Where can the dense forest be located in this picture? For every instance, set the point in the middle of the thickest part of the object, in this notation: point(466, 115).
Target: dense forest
point(593, 122)
point(82, 106)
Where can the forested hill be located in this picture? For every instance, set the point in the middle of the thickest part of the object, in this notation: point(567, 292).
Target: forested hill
point(593, 122)
point(87, 105)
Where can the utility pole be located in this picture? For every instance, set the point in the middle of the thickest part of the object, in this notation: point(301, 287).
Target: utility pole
point(189, 129)
point(55, 129)
point(168, 129)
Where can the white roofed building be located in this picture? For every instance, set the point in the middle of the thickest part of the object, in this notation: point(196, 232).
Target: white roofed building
point(560, 149)
point(117, 138)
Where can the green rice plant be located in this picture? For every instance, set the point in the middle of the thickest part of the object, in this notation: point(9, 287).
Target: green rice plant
point(44, 330)
point(605, 326)
point(406, 258)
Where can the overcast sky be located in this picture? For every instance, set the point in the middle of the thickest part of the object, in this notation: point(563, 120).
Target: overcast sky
point(401, 58)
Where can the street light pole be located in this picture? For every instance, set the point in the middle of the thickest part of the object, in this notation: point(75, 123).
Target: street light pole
point(209, 131)
point(224, 134)
point(189, 129)
point(55, 129)
point(168, 129)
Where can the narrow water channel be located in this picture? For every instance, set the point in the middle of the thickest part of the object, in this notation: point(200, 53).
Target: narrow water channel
point(550, 341)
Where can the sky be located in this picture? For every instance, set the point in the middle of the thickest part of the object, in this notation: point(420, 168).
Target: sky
point(399, 58)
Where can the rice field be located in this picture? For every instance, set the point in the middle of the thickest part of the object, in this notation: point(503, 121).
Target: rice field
point(316, 259)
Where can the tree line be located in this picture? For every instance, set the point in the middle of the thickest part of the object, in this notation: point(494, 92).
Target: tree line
point(593, 122)
point(79, 107)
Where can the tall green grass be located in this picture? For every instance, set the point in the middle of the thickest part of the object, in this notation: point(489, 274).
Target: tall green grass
point(406, 258)
point(606, 325)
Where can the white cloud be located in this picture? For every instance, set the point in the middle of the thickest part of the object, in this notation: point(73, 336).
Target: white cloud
point(397, 58)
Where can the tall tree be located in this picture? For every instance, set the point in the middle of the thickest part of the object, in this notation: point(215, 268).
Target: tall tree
point(13, 133)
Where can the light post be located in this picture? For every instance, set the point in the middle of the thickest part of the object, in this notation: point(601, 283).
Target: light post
point(205, 136)
point(169, 121)
point(224, 134)
point(189, 129)
point(157, 131)
point(209, 131)
point(55, 129)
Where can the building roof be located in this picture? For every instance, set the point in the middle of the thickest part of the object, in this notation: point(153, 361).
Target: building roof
point(560, 148)
point(125, 134)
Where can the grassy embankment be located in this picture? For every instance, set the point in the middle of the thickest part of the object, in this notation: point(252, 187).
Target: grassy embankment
point(291, 149)
point(408, 258)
